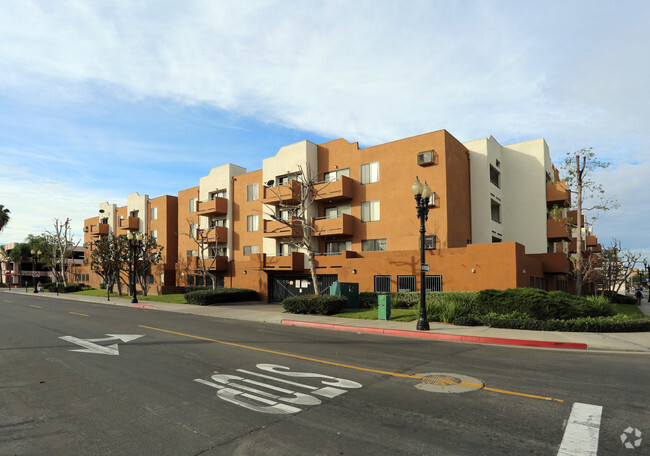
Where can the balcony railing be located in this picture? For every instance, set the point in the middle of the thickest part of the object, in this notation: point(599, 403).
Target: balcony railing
point(334, 260)
point(289, 194)
point(217, 206)
point(99, 229)
point(558, 230)
point(342, 189)
point(277, 229)
point(218, 263)
point(293, 262)
point(129, 223)
point(339, 226)
point(557, 194)
point(572, 217)
point(216, 234)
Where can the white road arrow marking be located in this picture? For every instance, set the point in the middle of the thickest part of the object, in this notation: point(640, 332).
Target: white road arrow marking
point(91, 347)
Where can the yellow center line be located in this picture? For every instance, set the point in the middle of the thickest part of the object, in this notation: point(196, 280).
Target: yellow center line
point(75, 313)
point(348, 366)
point(38, 307)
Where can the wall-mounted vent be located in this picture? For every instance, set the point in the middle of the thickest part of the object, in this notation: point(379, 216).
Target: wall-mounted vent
point(427, 158)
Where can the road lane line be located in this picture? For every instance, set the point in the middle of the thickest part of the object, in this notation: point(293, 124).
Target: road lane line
point(75, 313)
point(348, 366)
point(38, 307)
point(581, 433)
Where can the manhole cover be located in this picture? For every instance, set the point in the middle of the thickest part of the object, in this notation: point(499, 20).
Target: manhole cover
point(443, 382)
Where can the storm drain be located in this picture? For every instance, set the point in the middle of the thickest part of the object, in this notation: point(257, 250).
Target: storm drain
point(448, 383)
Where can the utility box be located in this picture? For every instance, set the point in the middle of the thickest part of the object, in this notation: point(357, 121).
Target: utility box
point(347, 289)
point(383, 306)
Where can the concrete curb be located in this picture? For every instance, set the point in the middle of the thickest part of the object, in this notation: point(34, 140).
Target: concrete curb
point(439, 336)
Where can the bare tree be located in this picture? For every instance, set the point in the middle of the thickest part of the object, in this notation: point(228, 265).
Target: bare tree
point(148, 254)
point(579, 167)
point(204, 238)
point(63, 245)
point(299, 220)
point(617, 266)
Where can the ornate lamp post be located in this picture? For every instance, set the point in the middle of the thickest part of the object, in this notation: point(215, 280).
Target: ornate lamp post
point(35, 256)
point(422, 194)
point(647, 268)
point(134, 244)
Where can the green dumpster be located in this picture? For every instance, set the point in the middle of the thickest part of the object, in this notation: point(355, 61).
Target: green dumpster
point(383, 307)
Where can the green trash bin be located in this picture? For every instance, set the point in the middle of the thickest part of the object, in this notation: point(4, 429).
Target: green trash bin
point(383, 306)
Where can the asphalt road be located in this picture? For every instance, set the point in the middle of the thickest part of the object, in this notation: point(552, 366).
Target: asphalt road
point(190, 385)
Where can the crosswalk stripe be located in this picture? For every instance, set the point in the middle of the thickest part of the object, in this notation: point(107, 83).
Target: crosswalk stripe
point(582, 429)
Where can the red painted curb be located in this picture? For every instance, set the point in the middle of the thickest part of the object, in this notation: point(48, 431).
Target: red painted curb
point(438, 336)
point(142, 306)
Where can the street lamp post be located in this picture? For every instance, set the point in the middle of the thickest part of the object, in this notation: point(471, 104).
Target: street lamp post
point(647, 268)
point(35, 256)
point(134, 244)
point(422, 194)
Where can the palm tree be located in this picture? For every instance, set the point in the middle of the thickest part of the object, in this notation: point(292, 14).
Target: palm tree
point(4, 216)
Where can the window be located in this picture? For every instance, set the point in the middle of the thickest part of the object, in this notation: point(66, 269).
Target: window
point(285, 214)
point(373, 245)
point(222, 251)
point(370, 211)
point(252, 192)
point(495, 176)
point(370, 173)
point(216, 194)
point(335, 248)
point(134, 214)
point(192, 253)
point(284, 180)
point(286, 249)
point(496, 239)
point(218, 222)
point(154, 213)
point(406, 283)
point(192, 204)
point(193, 228)
point(252, 222)
point(249, 249)
point(433, 283)
point(337, 211)
point(430, 242)
point(154, 234)
point(495, 209)
point(150, 279)
point(382, 284)
point(336, 175)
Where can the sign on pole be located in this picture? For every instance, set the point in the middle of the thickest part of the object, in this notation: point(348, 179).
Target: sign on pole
point(36, 273)
point(424, 267)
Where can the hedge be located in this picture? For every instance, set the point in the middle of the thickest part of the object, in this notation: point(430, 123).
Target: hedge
point(220, 296)
point(312, 304)
point(71, 287)
point(618, 323)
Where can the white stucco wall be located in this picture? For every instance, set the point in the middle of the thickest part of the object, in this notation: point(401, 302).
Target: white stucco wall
point(137, 202)
point(220, 178)
point(109, 213)
point(289, 159)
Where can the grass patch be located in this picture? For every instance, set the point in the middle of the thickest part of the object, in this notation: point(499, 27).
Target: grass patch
point(373, 314)
point(173, 298)
point(628, 309)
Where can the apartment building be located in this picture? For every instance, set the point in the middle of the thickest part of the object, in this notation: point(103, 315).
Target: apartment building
point(498, 218)
point(157, 217)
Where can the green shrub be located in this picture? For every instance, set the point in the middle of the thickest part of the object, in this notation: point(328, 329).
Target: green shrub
point(312, 304)
point(367, 300)
point(618, 298)
point(404, 299)
point(450, 305)
point(617, 323)
point(220, 296)
point(71, 287)
point(195, 288)
point(597, 306)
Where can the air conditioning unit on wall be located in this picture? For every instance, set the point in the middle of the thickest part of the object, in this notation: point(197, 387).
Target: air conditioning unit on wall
point(427, 158)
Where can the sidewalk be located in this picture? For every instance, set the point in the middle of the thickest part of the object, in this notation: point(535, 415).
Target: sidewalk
point(274, 313)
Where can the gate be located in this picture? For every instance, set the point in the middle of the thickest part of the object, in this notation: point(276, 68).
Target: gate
point(283, 286)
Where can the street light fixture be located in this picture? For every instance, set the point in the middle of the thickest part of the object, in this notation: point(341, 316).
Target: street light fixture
point(134, 244)
point(422, 194)
point(35, 256)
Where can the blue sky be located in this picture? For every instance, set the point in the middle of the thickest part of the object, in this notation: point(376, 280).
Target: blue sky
point(100, 99)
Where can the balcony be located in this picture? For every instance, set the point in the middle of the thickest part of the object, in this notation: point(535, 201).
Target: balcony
point(218, 263)
point(216, 234)
point(217, 206)
point(293, 262)
point(129, 223)
point(557, 194)
point(339, 226)
point(558, 230)
point(596, 248)
point(334, 260)
point(99, 229)
point(342, 189)
point(282, 194)
point(572, 217)
point(591, 241)
point(553, 263)
point(276, 229)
